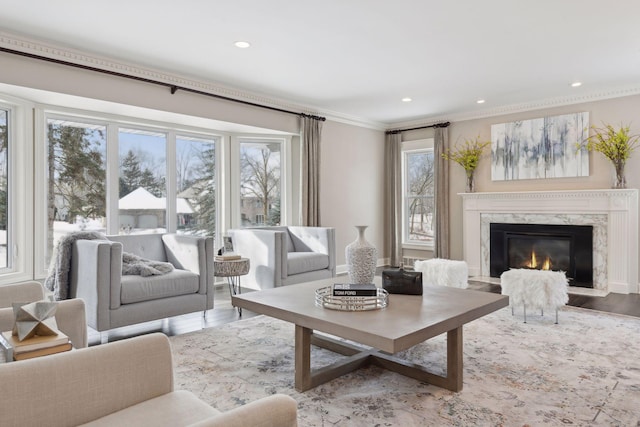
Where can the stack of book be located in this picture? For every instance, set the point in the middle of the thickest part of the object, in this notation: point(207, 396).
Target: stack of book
point(38, 345)
point(227, 257)
point(354, 290)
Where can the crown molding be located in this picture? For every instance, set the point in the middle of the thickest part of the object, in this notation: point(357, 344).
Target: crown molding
point(48, 50)
point(522, 107)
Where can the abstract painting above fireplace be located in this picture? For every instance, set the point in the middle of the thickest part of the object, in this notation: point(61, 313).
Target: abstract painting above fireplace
point(560, 247)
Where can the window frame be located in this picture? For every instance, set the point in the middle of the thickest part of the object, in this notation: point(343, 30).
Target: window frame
point(20, 210)
point(285, 176)
point(113, 124)
point(27, 219)
point(413, 147)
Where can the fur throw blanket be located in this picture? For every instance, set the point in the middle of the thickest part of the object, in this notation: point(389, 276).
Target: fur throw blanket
point(58, 279)
point(133, 264)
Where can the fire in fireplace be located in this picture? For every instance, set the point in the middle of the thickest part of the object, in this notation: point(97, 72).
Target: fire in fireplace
point(533, 263)
point(565, 248)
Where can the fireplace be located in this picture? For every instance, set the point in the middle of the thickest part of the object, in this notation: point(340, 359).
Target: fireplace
point(567, 248)
point(613, 214)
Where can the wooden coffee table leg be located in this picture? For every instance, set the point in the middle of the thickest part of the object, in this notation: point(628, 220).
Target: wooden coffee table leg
point(453, 380)
point(454, 359)
point(303, 358)
point(305, 379)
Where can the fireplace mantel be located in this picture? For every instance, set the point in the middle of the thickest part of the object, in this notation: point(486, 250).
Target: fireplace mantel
point(616, 211)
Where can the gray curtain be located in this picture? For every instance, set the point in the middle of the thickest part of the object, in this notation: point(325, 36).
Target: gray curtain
point(441, 144)
point(393, 198)
point(310, 169)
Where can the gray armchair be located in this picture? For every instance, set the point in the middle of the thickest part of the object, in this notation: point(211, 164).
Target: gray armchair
point(114, 300)
point(286, 255)
point(70, 315)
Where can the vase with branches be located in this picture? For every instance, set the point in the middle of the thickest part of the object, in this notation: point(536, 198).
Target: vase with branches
point(616, 144)
point(467, 155)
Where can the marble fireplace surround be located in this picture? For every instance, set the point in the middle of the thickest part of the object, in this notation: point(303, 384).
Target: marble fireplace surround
point(612, 213)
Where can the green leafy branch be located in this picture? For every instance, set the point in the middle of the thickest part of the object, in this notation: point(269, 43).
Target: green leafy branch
point(615, 144)
point(467, 155)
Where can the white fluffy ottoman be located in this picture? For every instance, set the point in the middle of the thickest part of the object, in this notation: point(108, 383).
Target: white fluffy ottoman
point(536, 289)
point(443, 272)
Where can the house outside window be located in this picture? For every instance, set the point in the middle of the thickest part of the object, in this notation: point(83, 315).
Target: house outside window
point(142, 199)
point(418, 194)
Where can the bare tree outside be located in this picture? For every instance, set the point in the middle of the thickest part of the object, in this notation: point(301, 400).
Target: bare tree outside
point(76, 178)
point(196, 185)
point(260, 182)
point(420, 187)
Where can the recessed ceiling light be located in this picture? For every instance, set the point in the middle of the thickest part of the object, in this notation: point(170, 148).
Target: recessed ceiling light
point(576, 84)
point(480, 101)
point(242, 45)
point(406, 99)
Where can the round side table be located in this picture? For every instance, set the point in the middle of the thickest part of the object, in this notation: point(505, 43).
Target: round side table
point(232, 270)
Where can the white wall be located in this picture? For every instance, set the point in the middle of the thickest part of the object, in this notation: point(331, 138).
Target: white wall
point(352, 184)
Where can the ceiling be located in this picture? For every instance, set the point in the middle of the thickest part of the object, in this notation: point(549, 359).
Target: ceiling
point(358, 58)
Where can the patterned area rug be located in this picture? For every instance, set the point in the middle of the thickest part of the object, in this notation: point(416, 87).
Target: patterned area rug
point(584, 371)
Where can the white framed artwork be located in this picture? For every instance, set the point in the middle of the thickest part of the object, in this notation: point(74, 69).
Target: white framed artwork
point(540, 148)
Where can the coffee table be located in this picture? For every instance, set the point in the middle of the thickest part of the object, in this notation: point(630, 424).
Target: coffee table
point(407, 320)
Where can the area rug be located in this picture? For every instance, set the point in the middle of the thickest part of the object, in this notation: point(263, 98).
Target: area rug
point(583, 371)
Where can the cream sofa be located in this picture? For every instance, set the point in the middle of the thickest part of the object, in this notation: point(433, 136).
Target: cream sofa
point(286, 255)
point(124, 383)
point(70, 315)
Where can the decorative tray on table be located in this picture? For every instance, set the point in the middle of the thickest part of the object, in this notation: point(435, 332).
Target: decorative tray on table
point(326, 299)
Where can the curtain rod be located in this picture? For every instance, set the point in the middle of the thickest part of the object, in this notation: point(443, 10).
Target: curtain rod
point(437, 125)
point(172, 87)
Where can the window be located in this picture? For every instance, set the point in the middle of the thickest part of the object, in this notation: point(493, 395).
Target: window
point(260, 181)
point(4, 187)
point(196, 185)
point(418, 191)
point(142, 203)
point(76, 178)
point(17, 256)
point(115, 174)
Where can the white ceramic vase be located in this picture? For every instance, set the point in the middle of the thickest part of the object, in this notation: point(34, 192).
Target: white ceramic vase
point(361, 258)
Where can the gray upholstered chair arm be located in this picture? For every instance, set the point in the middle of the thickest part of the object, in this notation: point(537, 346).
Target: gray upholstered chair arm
point(96, 270)
point(191, 253)
point(278, 410)
point(267, 250)
point(79, 386)
point(318, 239)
